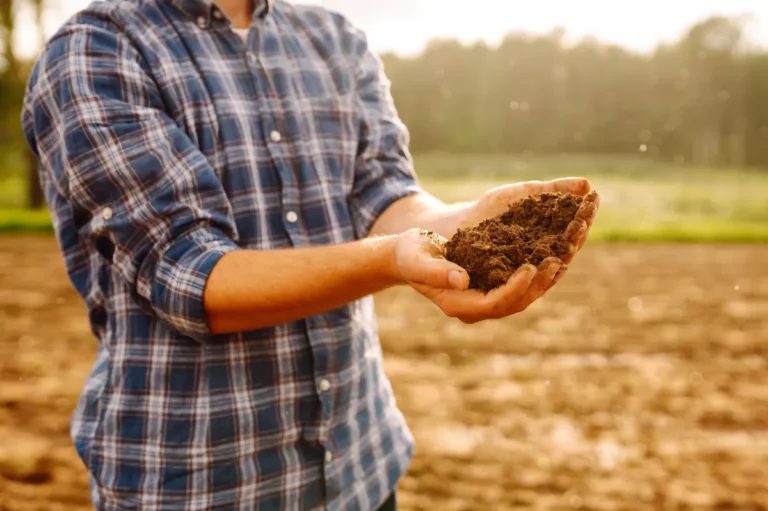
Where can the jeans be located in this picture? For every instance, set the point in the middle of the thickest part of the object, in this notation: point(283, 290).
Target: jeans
point(390, 504)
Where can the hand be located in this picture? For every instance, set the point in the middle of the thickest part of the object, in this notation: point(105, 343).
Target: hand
point(496, 201)
point(420, 263)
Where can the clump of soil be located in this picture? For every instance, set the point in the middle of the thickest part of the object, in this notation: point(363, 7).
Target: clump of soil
point(532, 230)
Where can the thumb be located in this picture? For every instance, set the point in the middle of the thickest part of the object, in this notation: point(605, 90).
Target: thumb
point(441, 274)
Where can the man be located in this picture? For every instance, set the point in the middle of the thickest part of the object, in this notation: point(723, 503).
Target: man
point(229, 184)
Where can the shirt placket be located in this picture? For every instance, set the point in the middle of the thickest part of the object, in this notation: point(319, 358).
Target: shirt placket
point(277, 138)
point(317, 333)
point(276, 135)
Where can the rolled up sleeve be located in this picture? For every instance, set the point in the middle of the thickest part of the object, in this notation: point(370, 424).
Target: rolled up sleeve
point(384, 171)
point(141, 192)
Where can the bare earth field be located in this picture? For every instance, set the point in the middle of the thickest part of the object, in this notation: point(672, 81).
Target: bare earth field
point(640, 383)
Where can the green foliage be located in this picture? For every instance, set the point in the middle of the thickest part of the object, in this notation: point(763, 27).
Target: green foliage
point(25, 220)
point(642, 200)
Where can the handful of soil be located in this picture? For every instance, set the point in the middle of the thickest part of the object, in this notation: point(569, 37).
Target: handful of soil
point(532, 230)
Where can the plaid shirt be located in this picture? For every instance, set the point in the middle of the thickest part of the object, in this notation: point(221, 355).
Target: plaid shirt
point(166, 142)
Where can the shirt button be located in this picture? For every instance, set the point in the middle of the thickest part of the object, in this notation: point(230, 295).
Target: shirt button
point(217, 14)
point(328, 456)
point(106, 213)
point(291, 217)
point(325, 385)
point(202, 22)
point(275, 136)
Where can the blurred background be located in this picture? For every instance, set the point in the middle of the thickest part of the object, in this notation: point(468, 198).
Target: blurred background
point(640, 382)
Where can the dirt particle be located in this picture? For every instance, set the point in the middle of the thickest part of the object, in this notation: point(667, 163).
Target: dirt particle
point(532, 230)
point(433, 238)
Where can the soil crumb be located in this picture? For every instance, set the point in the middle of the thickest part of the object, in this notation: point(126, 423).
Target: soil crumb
point(532, 230)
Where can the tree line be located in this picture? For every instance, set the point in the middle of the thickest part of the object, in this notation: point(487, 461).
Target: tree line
point(702, 100)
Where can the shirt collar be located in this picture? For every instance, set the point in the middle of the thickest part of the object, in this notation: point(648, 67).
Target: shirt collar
point(197, 8)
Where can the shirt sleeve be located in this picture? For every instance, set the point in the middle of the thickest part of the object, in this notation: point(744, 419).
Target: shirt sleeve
point(384, 169)
point(141, 192)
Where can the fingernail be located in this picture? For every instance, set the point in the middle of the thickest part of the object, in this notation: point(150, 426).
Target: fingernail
point(456, 280)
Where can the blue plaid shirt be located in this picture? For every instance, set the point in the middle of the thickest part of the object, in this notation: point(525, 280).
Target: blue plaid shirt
point(166, 142)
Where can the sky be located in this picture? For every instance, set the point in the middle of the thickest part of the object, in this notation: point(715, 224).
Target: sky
point(405, 26)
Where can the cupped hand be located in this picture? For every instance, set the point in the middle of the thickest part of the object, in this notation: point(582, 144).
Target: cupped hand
point(497, 201)
point(420, 263)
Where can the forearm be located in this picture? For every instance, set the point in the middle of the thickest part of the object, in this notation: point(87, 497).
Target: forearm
point(423, 211)
point(250, 289)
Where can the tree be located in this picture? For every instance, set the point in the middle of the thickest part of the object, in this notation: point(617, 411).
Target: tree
point(699, 100)
point(7, 26)
point(12, 78)
point(35, 197)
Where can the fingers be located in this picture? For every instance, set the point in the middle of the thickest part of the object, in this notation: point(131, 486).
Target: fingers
point(526, 286)
point(421, 261)
point(588, 209)
point(575, 234)
point(548, 271)
point(433, 244)
point(576, 185)
point(474, 304)
point(510, 301)
point(441, 274)
point(583, 240)
point(558, 276)
point(588, 213)
point(497, 200)
point(459, 280)
point(501, 301)
point(577, 231)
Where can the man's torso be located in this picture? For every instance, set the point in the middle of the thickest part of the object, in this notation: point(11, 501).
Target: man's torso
point(281, 418)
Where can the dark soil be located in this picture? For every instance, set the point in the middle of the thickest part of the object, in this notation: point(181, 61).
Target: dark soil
point(531, 231)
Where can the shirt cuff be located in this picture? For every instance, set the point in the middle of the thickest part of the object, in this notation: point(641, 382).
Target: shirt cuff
point(373, 202)
point(179, 288)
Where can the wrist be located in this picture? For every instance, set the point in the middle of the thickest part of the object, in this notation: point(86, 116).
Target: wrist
point(453, 217)
point(446, 219)
point(463, 214)
point(384, 255)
